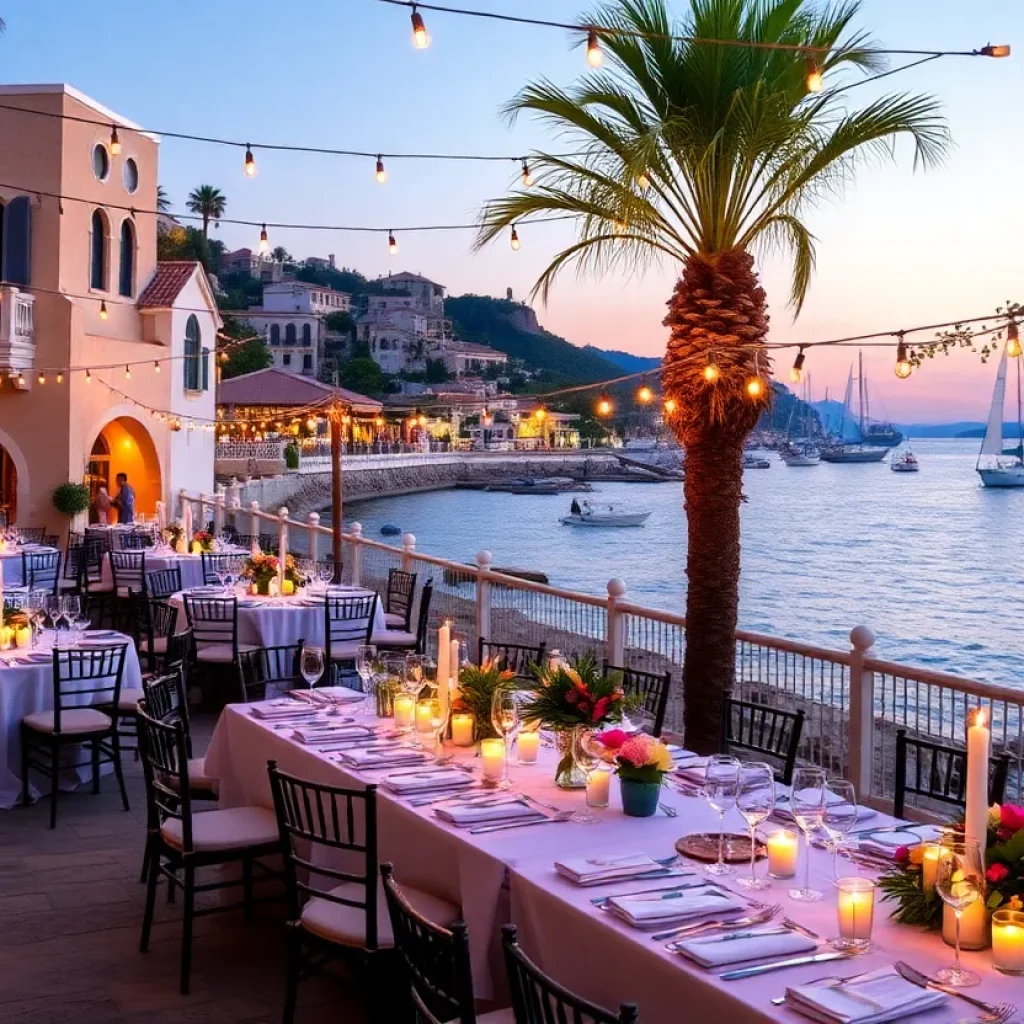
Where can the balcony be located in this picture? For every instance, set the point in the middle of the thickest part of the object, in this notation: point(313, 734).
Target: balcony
point(17, 333)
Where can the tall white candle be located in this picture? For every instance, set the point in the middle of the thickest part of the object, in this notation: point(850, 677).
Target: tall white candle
point(978, 743)
point(453, 665)
point(444, 639)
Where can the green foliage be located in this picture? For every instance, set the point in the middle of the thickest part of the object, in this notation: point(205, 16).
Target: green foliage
point(363, 375)
point(436, 372)
point(340, 323)
point(209, 203)
point(71, 499)
point(163, 200)
point(249, 357)
point(477, 687)
point(281, 255)
point(915, 906)
point(576, 694)
point(343, 280)
point(184, 244)
point(291, 456)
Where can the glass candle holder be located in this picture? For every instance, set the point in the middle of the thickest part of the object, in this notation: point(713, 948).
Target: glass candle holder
point(405, 711)
point(1008, 941)
point(528, 746)
point(783, 852)
point(856, 910)
point(462, 729)
point(599, 782)
point(492, 752)
point(425, 715)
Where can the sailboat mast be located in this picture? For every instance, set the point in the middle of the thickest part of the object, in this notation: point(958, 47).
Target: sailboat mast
point(1020, 414)
point(860, 389)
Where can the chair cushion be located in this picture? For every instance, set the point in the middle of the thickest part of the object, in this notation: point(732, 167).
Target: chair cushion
point(506, 1016)
point(231, 829)
point(221, 652)
point(347, 925)
point(72, 720)
point(394, 638)
point(197, 777)
point(393, 620)
point(344, 651)
point(159, 644)
point(129, 699)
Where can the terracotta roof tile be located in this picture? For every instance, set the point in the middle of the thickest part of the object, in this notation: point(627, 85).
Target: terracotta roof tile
point(171, 276)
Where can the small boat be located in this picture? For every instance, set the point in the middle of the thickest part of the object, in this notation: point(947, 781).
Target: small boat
point(751, 461)
point(390, 530)
point(800, 455)
point(586, 514)
point(802, 452)
point(996, 466)
point(904, 462)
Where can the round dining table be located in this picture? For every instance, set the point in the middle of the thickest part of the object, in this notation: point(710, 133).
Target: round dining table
point(191, 566)
point(11, 563)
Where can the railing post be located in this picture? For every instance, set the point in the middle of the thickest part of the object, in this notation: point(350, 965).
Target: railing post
point(616, 639)
point(483, 594)
point(356, 560)
point(408, 550)
point(254, 522)
point(218, 510)
point(161, 516)
point(182, 502)
point(201, 512)
point(282, 546)
point(314, 521)
point(862, 712)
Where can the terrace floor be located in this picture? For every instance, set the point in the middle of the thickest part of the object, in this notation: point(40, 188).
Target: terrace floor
point(71, 913)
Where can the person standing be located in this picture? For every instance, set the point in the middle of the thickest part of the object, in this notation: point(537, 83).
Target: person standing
point(103, 504)
point(125, 499)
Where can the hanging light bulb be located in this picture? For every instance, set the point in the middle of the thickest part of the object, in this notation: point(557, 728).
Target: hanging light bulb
point(540, 414)
point(115, 142)
point(381, 174)
point(264, 242)
point(42, 377)
point(250, 162)
point(815, 80)
point(420, 38)
point(904, 368)
point(796, 374)
point(604, 405)
point(156, 366)
point(311, 423)
point(103, 309)
point(711, 372)
point(526, 176)
point(644, 394)
point(755, 387)
point(595, 55)
point(392, 244)
point(60, 378)
point(21, 380)
point(1012, 340)
point(88, 377)
point(421, 420)
point(514, 239)
point(127, 372)
point(670, 406)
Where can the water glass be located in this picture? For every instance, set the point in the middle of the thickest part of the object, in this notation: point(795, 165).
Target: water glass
point(959, 880)
point(721, 787)
point(505, 719)
point(325, 572)
point(414, 678)
point(807, 803)
point(366, 655)
point(311, 666)
point(755, 801)
point(839, 818)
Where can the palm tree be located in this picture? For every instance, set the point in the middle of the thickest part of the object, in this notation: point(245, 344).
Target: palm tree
point(209, 202)
point(279, 254)
point(163, 200)
point(703, 155)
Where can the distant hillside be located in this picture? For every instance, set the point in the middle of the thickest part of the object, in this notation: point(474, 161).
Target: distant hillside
point(496, 322)
point(975, 430)
point(626, 361)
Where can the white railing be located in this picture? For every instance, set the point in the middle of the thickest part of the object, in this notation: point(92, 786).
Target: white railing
point(266, 451)
point(853, 702)
point(17, 329)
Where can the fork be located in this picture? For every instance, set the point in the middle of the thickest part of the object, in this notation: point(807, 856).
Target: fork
point(690, 931)
point(993, 1014)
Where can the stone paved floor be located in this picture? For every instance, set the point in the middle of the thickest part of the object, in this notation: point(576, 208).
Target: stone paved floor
point(70, 916)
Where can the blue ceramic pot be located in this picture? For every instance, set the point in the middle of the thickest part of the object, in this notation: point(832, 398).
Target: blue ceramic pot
point(639, 799)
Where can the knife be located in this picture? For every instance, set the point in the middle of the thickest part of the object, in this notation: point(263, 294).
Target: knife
point(517, 824)
point(778, 965)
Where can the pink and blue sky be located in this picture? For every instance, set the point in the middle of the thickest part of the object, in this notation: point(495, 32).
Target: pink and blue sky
point(900, 249)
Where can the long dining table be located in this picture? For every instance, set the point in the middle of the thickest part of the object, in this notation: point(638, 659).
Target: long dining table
point(509, 875)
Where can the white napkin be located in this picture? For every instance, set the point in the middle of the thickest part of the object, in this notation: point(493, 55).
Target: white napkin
point(783, 812)
point(721, 948)
point(885, 844)
point(652, 910)
point(694, 770)
point(875, 997)
point(341, 694)
point(307, 734)
point(590, 870)
point(452, 778)
point(395, 757)
point(476, 815)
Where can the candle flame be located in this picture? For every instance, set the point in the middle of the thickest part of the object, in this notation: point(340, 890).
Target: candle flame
point(981, 717)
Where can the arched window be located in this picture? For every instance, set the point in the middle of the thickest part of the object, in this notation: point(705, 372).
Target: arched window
point(126, 271)
point(307, 335)
point(98, 251)
point(289, 334)
point(275, 334)
point(193, 355)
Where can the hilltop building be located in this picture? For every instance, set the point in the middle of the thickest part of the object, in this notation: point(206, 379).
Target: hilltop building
point(84, 295)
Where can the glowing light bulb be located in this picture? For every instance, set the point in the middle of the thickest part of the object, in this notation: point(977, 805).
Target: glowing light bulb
point(514, 240)
point(644, 394)
point(604, 406)
point(711, 373)
point(1013, 348)
point(115, 142)
point(156, 366)
point(103, 309)
point(250, 162)
point(88, 377)
point(796, 374)
point(42, 378)
point(755, 387)
point(540, 414)
point(392, 244)
point(381, 174)
point(420, 38)
point(311, 423)
point(264, 242)
point(421, 420)
point(595, 55)
point(527, 176)
point(815, 81)
point(127, 372)
point(60, 378)
point(904, 367)
point(643, 182)
point(670, 406)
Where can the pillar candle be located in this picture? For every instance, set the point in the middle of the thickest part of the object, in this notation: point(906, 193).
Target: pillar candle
point(462, 729)
point(856, 908)
point(405, 709)
point(6, 638)
point(424, 716)
point(444, 639)
point(1008, 941)
point(598, 784)
point(288, 587)
point(783, 850)
point(974, 922)
point(23, 636)
point(492, 751)
point(527, 745)
point(453, 666)
point(978, 741)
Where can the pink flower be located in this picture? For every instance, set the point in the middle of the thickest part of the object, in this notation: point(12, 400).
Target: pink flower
point(997, 873)
point(613, 738)
point(571, 696)
point(1011, 816)
point(902, 855)
point(636, 750)
point(1003, 834)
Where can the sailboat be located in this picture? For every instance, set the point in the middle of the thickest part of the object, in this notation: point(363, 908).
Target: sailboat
point(857, 450)
point(998, 467)
point(802, 452)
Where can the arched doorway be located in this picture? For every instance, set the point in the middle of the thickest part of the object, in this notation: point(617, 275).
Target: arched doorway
point(8, 488)
point(124, 446)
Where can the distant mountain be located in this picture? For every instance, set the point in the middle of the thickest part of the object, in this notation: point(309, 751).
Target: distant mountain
point(978, 430)
point(626, 361)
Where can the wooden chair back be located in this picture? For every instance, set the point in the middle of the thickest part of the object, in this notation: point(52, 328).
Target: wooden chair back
point(520, 658)
point(398, 598)
point(269, 671)
point(84, 676)
point(654, 687)
point(768, 731)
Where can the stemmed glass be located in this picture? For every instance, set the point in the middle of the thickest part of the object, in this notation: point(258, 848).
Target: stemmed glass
point(325, 573)
point(79, 624)
point(721, 787)
point(755, 801)
point(54, 612)
point(311, 665)
point(33, 605)
point(366, 655)
point(439, 714)
point(959, 880)
point(807, 802)
point(414, 677)
point(839, 818)
point(505, 719)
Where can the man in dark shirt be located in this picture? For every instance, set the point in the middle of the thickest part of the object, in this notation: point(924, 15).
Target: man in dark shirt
point(125, 499)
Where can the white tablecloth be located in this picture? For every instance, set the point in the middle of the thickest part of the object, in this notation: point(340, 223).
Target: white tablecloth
point(191, 567)
point(509, 876)
point(11, 564)
point(25, 689)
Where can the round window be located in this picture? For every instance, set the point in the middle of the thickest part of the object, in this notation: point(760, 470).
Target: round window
point(130, 175)
point(100, 161)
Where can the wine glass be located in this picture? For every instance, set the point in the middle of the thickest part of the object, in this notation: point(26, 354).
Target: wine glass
point(366, 655)
point(79, 624)
point(53, 611)
point(505, 719)
point(439, 714)
point(959, 880)
point(414, 678)
point(839, 818)
point(311, 665)
point(721, 787)
point(755, 801)
point(807, 803)
point(325, 573)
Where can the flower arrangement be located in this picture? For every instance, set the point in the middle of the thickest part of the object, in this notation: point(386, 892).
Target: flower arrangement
point(637, 757)
point(477, 687)
point(204, 539)
point(262, 568)
point(173, 532)
point(1004, 871)
point(577, 694)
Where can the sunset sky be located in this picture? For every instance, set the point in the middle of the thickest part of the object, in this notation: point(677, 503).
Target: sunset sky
point(901, 248)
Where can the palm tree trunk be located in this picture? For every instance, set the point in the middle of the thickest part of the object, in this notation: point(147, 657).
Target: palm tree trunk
point(206, 223)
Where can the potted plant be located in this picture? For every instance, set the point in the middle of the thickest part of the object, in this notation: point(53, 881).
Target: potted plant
point(291, 456)
point(641, 763)
point(72, 500)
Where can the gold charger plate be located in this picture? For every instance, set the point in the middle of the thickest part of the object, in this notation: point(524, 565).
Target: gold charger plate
point(704, 846)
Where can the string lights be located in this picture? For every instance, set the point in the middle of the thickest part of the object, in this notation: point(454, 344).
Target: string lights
point(604, 405)
point(115, 142)
point(103, 309)
point(1013, 348)
point(127, 372)
point(420, 37)
point(514, 239)
point(381, 175)
point(595, 55)
point(392, 244)
point(815, 81)
point(264, 241)
point(526, 177)
point(250, 162)
point(796, 374)
point(904, 368)
point(669, 405)
point(711, 371)
point(644, 394)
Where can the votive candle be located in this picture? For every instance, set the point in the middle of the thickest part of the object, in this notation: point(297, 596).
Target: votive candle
point(598, 784)
point(462, 729)
point(527, 747)
point(1008, 941)
point(288, 587)
point(405, 710)
point(493, 753)
point(783, 851)
point(425, 716)
point(930, 866)
point(23, 636)
point(856, 909)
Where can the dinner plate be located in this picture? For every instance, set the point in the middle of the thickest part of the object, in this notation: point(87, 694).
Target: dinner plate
point(703, 846)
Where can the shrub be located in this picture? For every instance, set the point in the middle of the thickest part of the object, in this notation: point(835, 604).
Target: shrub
point(291, 456)
point(71, 499)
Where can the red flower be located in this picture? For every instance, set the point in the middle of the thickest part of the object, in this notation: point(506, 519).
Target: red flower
point(601, 708)
point(613, 738)
point(1003, 834)
point(997, 873)
point(902, 855)
point(571, 697)
point(1011, 816)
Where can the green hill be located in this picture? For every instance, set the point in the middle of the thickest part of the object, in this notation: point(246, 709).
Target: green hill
point(498, 323)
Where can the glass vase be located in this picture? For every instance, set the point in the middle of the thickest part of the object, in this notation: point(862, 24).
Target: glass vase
point(574, 761)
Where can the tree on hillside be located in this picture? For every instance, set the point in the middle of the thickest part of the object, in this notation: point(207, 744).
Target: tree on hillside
point(184, 244)
point(363, 375)
point(247, 357)
point(702, 155)
point(281, 255)
point(209, 203)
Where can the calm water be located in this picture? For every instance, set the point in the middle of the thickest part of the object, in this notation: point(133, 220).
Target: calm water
point(931, 561)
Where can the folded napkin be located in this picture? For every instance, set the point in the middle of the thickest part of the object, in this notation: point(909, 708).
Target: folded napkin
point(870, 999)
point(693, 770)
point(591, 870)
point(340, 694)
point(463, 817)
point(418, 782)
point(386, 758)
point(721, 948)
point(783, 813)
point(653, 909)
point(307, 734)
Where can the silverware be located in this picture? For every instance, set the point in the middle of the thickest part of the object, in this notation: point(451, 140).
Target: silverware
point(690, 931)
point(670, 812)
point(781, 1000)
point(643, 892)
point(993, 1012)
point(781, 965)
point(732, 936)
point(560, 816)
point(803, 930)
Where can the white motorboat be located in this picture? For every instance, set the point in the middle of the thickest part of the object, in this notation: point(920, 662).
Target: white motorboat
point(800, 455)
point(904, 462)
point(752, 461)
point(587, 514)
point(999, 467)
